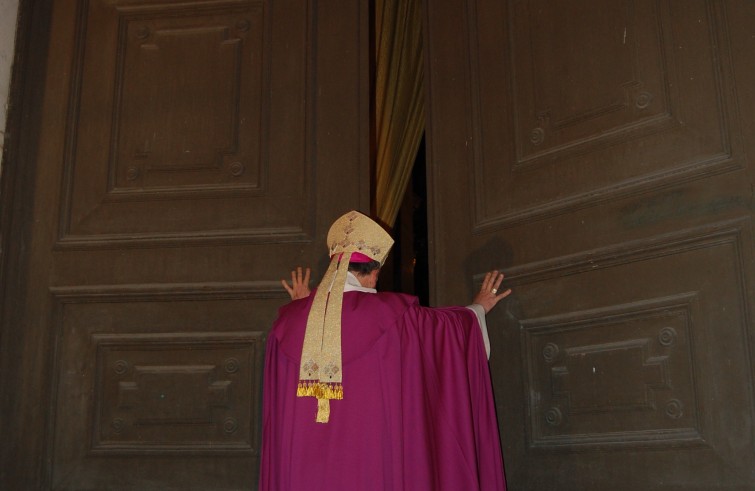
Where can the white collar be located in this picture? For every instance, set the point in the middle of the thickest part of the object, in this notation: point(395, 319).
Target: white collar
point(353, 285)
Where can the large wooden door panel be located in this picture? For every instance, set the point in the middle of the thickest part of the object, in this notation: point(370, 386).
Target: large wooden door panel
point(588, 85)
point(189, 154)
point(637, 349)
point(174, 125)
point(149, 396)
point(601, 154)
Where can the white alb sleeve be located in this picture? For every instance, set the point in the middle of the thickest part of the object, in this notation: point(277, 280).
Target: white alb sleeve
point(480, 313)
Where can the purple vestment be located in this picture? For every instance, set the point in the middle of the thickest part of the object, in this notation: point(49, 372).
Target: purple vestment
point(417, 411)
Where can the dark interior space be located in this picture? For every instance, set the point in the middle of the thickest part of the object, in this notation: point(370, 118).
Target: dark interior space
point(406, 269)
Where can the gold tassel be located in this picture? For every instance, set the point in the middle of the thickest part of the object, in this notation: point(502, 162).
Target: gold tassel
point(334, 391)
point(304, 390)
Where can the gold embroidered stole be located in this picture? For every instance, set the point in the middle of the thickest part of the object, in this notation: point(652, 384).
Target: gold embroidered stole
point(321, 369)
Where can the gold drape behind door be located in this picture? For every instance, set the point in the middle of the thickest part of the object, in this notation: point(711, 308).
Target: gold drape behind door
point(399, 100)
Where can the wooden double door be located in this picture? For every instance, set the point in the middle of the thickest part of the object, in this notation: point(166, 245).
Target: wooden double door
point(177, 159)
point(171, 159)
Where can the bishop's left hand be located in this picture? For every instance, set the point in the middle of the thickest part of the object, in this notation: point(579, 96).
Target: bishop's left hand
point(488, 295)
point(299, 287)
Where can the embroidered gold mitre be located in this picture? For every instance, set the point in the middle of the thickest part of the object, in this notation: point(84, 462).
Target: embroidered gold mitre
point(321, 369)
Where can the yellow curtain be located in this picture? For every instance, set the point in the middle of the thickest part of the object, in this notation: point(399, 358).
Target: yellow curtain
point(399, 100)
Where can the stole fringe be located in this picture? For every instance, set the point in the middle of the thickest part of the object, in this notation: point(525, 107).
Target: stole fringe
point(320, 390)
point(324, 392)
